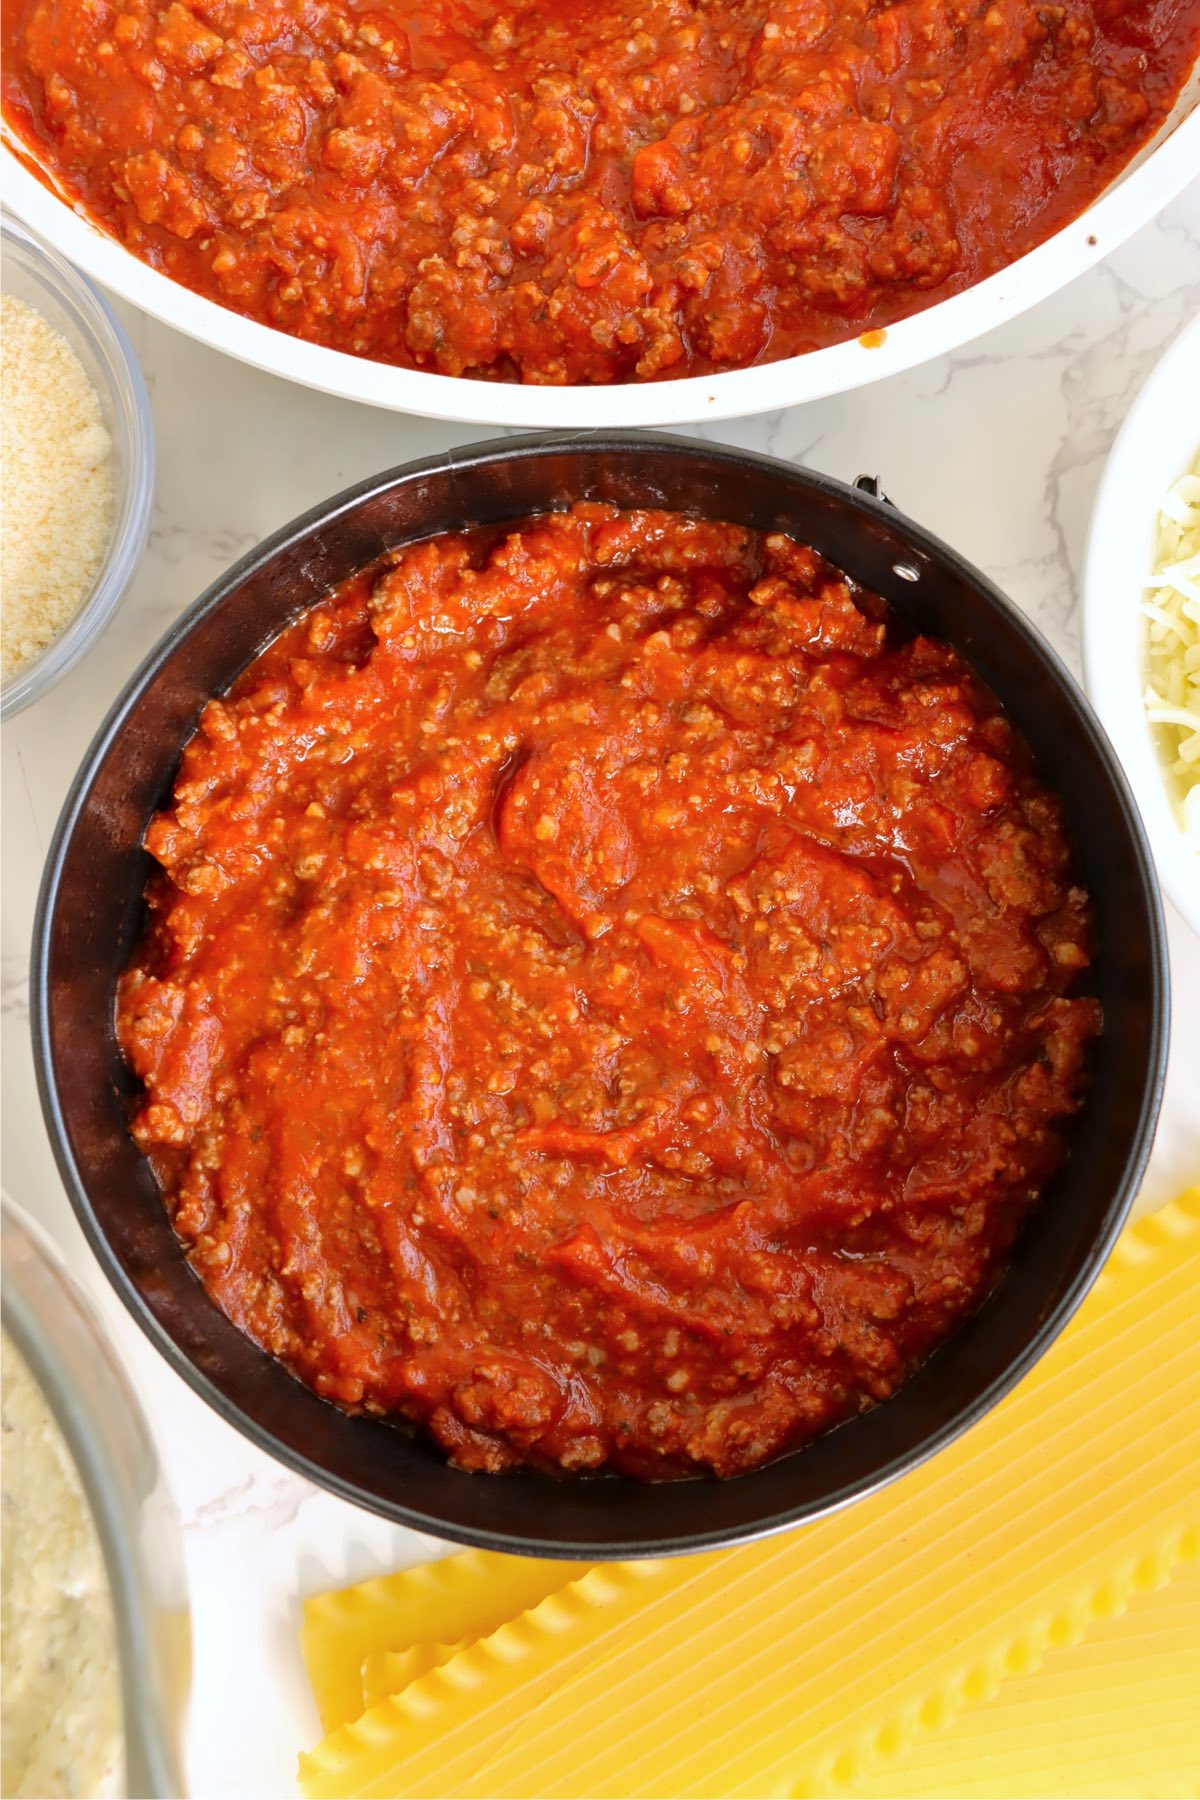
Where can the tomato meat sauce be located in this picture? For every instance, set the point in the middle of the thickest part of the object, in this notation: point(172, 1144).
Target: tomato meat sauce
point(586, 190)
point(607, 995)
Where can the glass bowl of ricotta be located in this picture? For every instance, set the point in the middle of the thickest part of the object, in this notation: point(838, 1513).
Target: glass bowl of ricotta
point(78, 456)
point(96, 1640)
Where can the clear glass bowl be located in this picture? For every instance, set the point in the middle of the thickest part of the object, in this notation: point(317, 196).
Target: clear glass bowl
point(47, 282)
point(61, 1338)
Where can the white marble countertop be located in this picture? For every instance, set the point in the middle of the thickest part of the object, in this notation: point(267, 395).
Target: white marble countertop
point(998, 448)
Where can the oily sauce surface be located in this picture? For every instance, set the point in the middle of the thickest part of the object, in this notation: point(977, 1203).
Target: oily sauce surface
point(587, 190)
point(607, 995)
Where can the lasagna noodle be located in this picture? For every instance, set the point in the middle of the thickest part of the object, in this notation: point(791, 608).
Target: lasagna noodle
point(387, 1672)
point(1113, 1714)
point(463, 1598)
point(1076, 1492)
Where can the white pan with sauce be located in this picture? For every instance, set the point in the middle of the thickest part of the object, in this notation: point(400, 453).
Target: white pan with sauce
point(1154, 177)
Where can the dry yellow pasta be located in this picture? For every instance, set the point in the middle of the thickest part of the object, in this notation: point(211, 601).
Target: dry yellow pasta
point(797, 1665)
point(387, 1672)
point(1116, 1713)
point(463, 1598)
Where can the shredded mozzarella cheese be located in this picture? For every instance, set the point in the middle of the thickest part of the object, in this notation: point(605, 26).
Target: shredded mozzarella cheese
point(1172, 610)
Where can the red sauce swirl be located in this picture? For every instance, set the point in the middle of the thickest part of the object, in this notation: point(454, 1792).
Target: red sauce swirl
point(608, 995)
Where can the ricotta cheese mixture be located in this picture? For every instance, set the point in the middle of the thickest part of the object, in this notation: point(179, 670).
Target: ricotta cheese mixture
point(61, 1708)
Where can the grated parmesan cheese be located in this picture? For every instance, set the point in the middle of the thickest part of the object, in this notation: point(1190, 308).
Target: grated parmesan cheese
point(1172, 609)
point(57, 485)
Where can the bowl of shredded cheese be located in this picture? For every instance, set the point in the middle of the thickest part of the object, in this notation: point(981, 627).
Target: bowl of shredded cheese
point(77, 475)
point(1141, 612)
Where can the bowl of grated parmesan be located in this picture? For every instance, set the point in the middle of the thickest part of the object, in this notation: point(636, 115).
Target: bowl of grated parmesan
point(76, 466)
point(1141, 612)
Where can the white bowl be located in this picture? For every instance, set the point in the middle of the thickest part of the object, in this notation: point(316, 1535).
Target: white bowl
point(1146, 186)
point(1157, 444)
